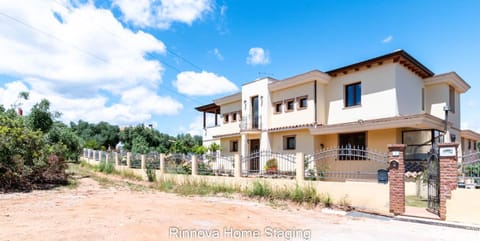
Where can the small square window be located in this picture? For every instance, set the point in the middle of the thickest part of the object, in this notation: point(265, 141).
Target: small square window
point(278, 107)
point(290, 105)
point(289, 142)
point(233, 146)
point(234, 116)
point(226, 118)
point(302, 102)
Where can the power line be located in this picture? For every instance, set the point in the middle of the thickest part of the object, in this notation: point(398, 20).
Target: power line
point(52, 36)
point(96, 56)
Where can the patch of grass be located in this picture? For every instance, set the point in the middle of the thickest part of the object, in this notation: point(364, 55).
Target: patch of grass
point(106, 167)
point(326, 199)
point(414, 201)
point(128, 174)
point(259, 189)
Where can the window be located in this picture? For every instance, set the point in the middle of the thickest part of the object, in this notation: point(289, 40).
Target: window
point(278, 107)
point(225, 118)
point(289, 142)
point(290, 105)
point(233, 146)
point(352, 146)
point(234, 116)
point(423, 99)
point(475, 145)
point(353, 93)
point(452, 99)
point(469, 144)
point(302, 102)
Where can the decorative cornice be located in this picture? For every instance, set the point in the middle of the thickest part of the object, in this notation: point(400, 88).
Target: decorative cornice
point(450, 78)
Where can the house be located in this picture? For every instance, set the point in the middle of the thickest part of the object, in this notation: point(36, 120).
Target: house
point(469, 141)
point(388, 99)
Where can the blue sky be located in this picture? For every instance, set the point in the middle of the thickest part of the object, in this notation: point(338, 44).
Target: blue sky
point(152, 61)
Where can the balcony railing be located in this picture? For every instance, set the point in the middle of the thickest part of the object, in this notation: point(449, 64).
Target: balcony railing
point(249, 123)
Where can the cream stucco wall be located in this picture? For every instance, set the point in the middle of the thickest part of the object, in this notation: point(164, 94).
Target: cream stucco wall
point(297, 116)
point(409, 91)
point(257, 88)
point(230, 126)
point(437, 97)
point(225, 144)
point(464, 206)
point(361, 195)
point(378, 95)
point(304, 141)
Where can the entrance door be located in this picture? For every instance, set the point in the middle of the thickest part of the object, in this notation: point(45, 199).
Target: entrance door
point(433, 172)
point(254, 165)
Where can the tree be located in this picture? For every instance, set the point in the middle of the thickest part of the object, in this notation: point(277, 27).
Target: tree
point(61, 134)
point(40, 117)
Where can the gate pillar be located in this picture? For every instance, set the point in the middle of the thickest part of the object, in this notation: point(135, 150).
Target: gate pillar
point(448, 174)
point(396, 178)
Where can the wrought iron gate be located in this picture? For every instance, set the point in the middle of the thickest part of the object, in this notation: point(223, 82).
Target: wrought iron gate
point(433, 173)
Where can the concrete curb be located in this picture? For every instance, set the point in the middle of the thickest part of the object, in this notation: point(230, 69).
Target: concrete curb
point(437, 222)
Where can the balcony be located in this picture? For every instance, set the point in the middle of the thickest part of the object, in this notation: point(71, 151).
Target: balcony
point(250, 124)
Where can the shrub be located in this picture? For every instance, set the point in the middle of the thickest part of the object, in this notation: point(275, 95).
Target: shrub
point(151, 174)
point(260, 189)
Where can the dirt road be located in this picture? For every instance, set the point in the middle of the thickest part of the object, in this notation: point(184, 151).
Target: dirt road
point(116, 212)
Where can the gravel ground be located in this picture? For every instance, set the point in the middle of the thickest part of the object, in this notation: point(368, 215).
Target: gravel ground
point(116, 212)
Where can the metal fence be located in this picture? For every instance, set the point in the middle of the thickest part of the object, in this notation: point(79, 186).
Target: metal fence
point(216, 164)
point(136, 160)
point(178, 164)
point(345, 162)
point(152, 160)
point(469, 177)
point(268, 164)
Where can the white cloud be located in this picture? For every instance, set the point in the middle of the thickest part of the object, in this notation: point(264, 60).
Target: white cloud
point(203, 83)
point(78, 63)
point(162, 13)
point(217, 53)
point(387, 39)
point(258, 56)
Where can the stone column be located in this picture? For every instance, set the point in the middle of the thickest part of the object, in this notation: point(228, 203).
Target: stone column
point(238, 165)
point(143, 162)
point(107, 159)
point(129, 156)
point(162, 163)
point(300, 166)
point(448, 175)
point(396, 178)
point(194, 165)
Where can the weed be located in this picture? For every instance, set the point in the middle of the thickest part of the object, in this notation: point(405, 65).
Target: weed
point(260, 189)
point(327, 200)
point(151, 174)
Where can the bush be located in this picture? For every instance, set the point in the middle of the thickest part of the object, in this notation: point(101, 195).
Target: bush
point(260, 189)
point(151, 174)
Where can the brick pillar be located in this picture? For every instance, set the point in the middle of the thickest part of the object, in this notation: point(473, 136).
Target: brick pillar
point(396, 179)
point(448, 175)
